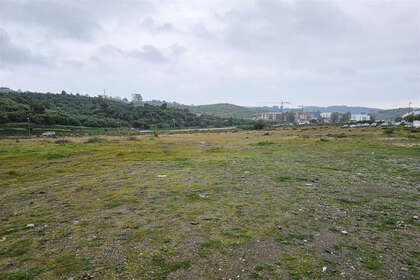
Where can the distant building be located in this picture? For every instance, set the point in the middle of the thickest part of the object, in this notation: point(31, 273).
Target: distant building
point(4, 89)
point(359, 117)
point(300, 117)
point(272, 116)
point(416, 124)
point(326, 115)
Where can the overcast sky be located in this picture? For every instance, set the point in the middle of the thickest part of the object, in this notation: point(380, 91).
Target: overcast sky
point(310, 52)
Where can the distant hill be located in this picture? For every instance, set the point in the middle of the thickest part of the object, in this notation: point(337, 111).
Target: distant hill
point(390, 114)
point(80, 110)
point(224, 110)
point(235, 111)
point(342, 109)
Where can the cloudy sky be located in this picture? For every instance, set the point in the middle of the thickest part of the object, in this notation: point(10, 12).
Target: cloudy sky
point(247, 52)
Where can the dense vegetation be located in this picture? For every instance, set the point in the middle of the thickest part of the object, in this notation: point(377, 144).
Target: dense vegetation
point(79, 110)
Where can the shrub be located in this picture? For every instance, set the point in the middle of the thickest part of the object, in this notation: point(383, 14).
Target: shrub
point(258, 125)
point(62, 141)
point(389, 131)
point(95, 140)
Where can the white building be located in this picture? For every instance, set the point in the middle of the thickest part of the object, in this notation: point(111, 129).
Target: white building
point(326, 115)
point(360, 117)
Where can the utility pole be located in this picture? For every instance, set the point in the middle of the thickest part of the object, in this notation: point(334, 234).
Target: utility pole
point(29, 128)
point(282, 103)
point(301, 107)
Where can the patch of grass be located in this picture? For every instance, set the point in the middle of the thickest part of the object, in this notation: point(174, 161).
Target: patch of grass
point(68, 263)
point(26, 274)
point(263, 143)
point(282, 178)
point(17, 248)
point(214, 150)
point(112, 204)
point(298, 266)
point(371, 261)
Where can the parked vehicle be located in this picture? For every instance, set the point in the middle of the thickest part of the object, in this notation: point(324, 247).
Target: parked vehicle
point(374, 124)
point(48, 134)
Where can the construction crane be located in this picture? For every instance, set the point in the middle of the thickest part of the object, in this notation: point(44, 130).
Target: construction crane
point(301, 107)
point(282, 103)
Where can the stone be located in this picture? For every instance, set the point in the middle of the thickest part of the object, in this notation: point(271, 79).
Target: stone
point(30, 225)
point(344, 232)
point(162, 176)
point(194, 223)
point(324, 268)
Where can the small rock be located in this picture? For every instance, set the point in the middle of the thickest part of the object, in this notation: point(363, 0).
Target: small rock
point(194, 223)
point(203, 196)
point(279, 228)
point(3, 239)
point(324, 268)
point(162, 176)
point(308, 184)
point(30, 225)
point(416, 217)
point(344, 232)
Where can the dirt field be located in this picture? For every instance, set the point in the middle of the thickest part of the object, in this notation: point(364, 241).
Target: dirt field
point(292, 203)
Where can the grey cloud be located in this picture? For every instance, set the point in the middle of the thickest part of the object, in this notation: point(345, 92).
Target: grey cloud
point(60, 19)
point(146, 53)
point(151, 25)
point(274, 24)
point(12, 54)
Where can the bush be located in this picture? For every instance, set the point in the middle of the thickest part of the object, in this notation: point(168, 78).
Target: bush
point(62, 141)
point(389, 131)
point(258, 125)
point(95, 140)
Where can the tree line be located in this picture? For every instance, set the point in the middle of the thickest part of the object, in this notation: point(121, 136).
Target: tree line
point(82, 110)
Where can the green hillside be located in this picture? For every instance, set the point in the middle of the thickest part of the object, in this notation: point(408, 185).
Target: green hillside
point(225, 110)
point(390, 114)
point(78, 110)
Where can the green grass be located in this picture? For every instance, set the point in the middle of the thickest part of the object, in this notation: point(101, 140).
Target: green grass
point(259, 206)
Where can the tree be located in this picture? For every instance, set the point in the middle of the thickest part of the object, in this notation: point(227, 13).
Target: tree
point(137, 99)
point(259, 125)
point(290, 117)
point(335, 116)
point(37, 107)
point(346, 117)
